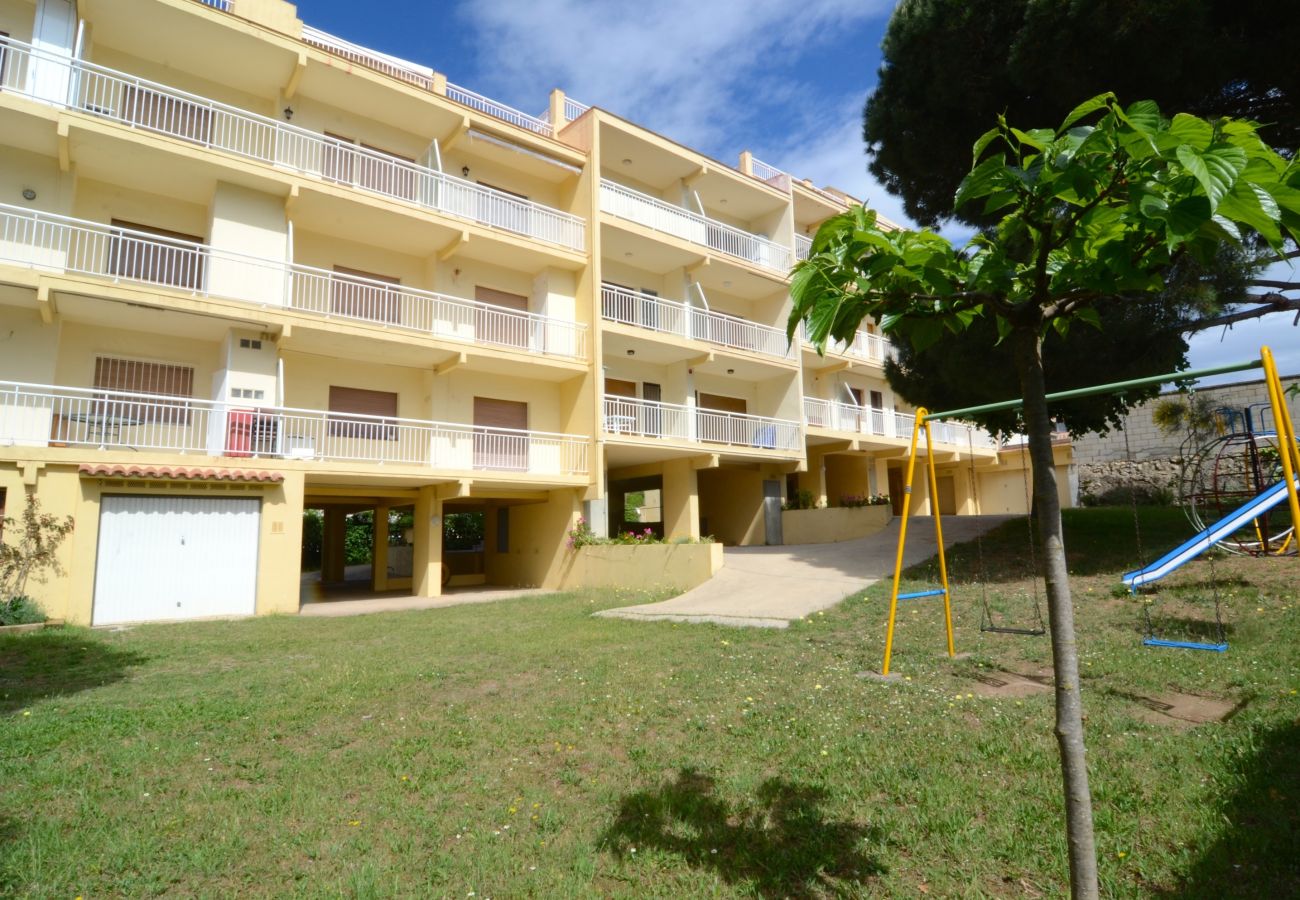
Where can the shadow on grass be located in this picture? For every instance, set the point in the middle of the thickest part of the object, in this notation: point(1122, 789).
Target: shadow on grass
point(1255, 853)
point(55, 662)
point(1181, 628)
point(780, 846)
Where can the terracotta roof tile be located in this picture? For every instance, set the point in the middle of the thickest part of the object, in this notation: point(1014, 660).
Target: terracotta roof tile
point(179, 473)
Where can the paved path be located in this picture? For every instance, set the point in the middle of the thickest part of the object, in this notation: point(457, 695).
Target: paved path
point(768, 587)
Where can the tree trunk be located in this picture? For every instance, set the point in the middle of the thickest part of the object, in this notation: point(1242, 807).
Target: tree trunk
point(1060, 611)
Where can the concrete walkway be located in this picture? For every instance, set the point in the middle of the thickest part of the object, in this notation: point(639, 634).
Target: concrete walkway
point(769, 587)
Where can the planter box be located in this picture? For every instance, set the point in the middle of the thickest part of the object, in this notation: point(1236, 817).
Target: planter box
point(676, 566)
point(838, 523)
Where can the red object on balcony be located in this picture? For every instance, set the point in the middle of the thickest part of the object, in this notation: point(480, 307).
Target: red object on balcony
point(239, 432)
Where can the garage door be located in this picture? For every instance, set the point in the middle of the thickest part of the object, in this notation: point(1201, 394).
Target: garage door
point(167, 558)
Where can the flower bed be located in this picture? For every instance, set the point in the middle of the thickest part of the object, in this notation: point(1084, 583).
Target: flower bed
point(839, 523)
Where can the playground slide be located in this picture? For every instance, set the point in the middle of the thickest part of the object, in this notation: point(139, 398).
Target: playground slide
point(1209, 537)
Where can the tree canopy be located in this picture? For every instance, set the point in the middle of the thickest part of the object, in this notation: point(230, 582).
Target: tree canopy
point(950, 66)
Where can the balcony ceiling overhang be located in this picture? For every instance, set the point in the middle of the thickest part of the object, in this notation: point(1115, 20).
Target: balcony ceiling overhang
point(638, 246)
point(96, 311)
point(661, 164)
point(811, 208)
point(726, 275)
point(156, 164)
point(526, 160)
point(190, 38)
point(28, 125)
point(354, 88)
point(660, 349)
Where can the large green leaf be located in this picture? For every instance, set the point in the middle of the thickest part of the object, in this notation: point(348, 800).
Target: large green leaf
point(1216, 168)
point(1087, 107)
point(989, 176)
point(1191, 130)
point(1186, 217)
point(982, 143)
point(1251, 205)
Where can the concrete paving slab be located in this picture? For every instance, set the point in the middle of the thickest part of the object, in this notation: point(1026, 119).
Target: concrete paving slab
point(769, 587)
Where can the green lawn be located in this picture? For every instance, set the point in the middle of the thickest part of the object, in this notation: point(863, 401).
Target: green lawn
point(524, 748)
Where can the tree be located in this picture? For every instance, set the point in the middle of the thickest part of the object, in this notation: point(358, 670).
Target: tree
point(950, 66)
point(1138, 338)
point(35, 549)
point(1101, 208)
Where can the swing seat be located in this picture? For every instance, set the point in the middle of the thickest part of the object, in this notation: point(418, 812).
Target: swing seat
point(1006, 629)
point(1220, 647)
point(916, 595)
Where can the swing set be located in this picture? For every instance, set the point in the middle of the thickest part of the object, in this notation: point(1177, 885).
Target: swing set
point(1288, 489)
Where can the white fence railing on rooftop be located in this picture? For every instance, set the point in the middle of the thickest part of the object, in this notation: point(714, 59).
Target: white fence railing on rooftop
point(410, 72)
point(628, 307)
point(770, 174)
point(658, 215)
point(37, 415)
point(497, 110)
point(58, 243)
point(149, 106)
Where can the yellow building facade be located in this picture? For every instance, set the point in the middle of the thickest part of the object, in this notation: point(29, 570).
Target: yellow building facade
point(327, 279)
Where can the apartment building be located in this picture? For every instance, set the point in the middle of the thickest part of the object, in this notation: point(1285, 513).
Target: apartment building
point(325, 278)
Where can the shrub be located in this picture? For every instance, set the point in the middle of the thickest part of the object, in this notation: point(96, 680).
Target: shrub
point(583, 536)
point(856, 501)
point(20, 610)
point(802, 499)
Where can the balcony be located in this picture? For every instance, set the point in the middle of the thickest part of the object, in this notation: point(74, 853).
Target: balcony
point(61, 244)
point(35, 415)
point(629, 307)
point(655, 214)
point(147, 106)
point(846, 417)
point(802, 246)
point(633, 417)
point(872, 348)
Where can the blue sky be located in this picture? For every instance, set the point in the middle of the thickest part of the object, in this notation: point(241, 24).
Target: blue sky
point(782, 79)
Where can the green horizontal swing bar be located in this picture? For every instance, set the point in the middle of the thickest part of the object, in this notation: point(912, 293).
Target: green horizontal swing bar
point(1113, 388)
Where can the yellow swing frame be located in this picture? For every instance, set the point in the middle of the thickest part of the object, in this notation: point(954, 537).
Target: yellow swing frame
point(1290, 458)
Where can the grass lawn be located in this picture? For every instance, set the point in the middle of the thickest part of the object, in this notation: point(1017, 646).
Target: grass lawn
point(524, 748)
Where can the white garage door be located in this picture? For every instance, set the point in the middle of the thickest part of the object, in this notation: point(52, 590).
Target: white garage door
point(166, 558)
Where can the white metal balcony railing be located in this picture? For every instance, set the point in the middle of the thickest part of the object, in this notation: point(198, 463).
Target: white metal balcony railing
point(421, 76)
point(35, 415)
point(146, 105)
point(658, 215)
point(769, 174)
point(651, 418)
point(672, 317)
point(838, 416)
point(497, 110)
point(865, 345)
point(59, 243)
point(802, 246)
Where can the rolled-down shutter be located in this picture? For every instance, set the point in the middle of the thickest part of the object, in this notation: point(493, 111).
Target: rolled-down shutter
point(361, 402)
point(493, 327)
point(495, 449)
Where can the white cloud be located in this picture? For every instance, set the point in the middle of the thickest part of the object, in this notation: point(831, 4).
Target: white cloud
point(696, 72)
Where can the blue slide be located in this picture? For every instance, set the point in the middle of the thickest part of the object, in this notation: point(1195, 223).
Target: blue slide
point(1221, 529)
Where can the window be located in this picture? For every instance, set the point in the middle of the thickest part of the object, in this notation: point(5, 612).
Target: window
point(346, 401)
point(353, 295)
point(250, 344)
point(877, 400)
point(169, 382)
point(155, 255)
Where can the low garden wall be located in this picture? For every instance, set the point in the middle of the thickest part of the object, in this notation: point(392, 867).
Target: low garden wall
point(837, 523)
point(648, 566)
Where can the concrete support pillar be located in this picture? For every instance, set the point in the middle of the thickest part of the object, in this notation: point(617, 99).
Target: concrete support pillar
point(879, 476)
point(681, 500)
point(379, 555)
point(815, 478)
point(333, 552)
point(426, 575)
